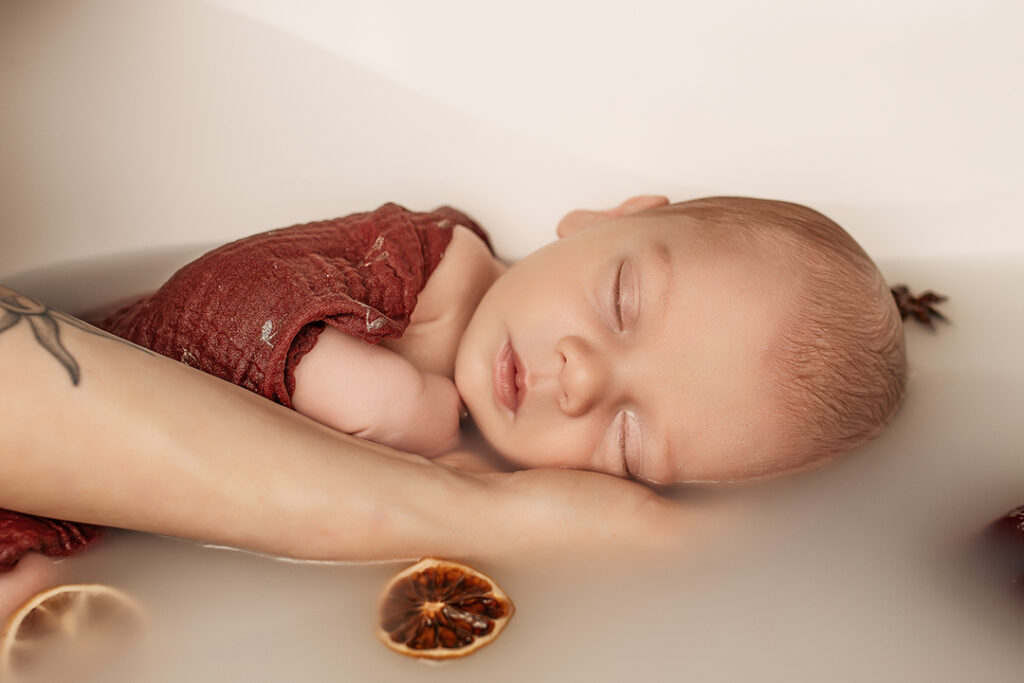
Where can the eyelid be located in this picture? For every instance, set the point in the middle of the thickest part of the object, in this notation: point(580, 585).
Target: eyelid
point(625, 295)
point(616, 295)
point(631, 443)
point(628, 294)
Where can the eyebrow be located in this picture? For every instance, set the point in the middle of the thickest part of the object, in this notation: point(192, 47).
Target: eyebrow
point(663, 262)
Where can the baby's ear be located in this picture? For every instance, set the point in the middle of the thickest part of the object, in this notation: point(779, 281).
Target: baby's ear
point(580, 219)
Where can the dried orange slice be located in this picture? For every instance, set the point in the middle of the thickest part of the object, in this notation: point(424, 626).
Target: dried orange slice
point(439, 609)
point(69, 623)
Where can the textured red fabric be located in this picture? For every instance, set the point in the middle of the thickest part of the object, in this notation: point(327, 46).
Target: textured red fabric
point(247, 312)
point(20, 533)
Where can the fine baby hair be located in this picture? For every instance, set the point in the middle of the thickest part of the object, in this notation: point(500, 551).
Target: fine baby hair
point(839, 360)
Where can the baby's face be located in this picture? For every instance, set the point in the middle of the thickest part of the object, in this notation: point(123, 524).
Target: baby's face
point(631, 346)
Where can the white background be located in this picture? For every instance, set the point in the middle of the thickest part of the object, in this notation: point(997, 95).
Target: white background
point(128, 125)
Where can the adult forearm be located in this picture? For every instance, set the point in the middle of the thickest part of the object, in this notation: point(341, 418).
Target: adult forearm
point(146, 443)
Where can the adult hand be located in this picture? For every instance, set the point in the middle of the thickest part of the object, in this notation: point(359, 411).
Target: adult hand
point(545, 509)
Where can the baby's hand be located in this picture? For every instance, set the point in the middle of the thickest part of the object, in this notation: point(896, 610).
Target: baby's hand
point(431, 424)
point(373, 393)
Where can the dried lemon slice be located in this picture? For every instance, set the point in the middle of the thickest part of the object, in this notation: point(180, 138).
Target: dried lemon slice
point(69, 623)
point(439, 609)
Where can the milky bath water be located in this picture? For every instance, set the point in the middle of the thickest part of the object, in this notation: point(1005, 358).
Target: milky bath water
point(873, 568)
point(132, 126)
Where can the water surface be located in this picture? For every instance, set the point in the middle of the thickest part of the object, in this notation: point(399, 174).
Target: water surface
point(871, 569)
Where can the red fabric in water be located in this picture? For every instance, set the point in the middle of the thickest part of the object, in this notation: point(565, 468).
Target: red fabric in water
point(20, 533)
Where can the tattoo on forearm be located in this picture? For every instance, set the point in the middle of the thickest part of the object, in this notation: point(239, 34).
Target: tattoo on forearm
point(43, 320)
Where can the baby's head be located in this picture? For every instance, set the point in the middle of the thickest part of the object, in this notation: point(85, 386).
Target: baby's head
point(719, 339)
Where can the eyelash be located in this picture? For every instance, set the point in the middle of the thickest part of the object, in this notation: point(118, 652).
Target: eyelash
point(617, 295)
point(622, 442)
point(623, 438)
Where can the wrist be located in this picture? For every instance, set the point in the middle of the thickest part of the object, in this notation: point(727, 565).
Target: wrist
point(421, 509)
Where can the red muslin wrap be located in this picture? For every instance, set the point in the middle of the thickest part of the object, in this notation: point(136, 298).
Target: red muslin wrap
point(20, 533)
point(247, 312)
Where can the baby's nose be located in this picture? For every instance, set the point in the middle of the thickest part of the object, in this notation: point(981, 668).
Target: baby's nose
point(583, 378)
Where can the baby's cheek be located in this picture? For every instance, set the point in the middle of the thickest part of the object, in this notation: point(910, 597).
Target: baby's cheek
point(549, 445)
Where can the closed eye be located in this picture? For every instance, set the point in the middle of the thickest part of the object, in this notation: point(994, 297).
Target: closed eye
point(625, 296)
point(630, 444)
point(617, 295)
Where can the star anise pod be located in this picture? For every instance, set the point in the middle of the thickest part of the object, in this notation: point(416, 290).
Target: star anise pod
point(921, 306)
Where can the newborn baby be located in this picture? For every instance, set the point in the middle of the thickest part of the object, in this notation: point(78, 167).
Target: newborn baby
point(718, 339)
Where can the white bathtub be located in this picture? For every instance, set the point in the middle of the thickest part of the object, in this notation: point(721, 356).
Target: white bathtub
point(136, 134)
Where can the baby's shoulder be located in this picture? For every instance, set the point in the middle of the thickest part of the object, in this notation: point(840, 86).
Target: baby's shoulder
point(468, 252)
point(444, 306)
point(466, 271)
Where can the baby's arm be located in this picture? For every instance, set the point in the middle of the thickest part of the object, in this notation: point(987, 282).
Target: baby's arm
point(374, 393)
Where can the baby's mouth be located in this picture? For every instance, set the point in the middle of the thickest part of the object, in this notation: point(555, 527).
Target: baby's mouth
point(507, 377)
